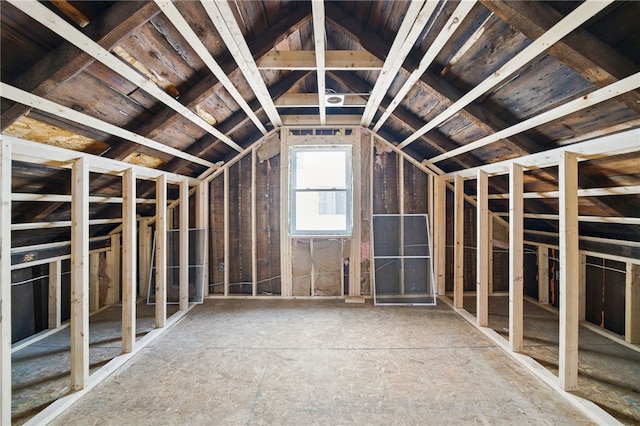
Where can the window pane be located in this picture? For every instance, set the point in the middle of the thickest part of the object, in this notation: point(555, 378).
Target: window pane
point(320, 169)
point(321, 211)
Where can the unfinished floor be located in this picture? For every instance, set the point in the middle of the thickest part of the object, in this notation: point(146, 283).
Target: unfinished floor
point(320, 362)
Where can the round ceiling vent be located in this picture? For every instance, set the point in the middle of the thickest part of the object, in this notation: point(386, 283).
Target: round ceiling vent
point(334, 99)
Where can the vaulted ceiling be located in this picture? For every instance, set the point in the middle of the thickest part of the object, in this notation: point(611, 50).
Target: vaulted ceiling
point(185, 86)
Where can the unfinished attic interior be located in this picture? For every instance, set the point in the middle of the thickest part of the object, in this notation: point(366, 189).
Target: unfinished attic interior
point(335, 212)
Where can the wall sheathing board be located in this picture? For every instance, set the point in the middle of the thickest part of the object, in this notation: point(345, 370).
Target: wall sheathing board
point(327, 257)
point(216, 240)
point(240, 227)
point(268, 218)
point(301, 266)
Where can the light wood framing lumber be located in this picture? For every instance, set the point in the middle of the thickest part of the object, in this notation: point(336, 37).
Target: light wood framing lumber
point(310, 100)
point(584, 101)
point(114, 260)
point(516, 262)
point(458, 243)
point(440, 225)
point(335, 60)
point(144, 254)
point(184, 246)
point(55, 294)
point(202, 222)
point(317, 7)
point(286, 282)
point(62, 198)
point(80, 274)
point(254, 225)
point(5, 282)
point(452, 24)
point(583, 192)
point(226, 236)
point(582, 288)
point(129, 261)
point(414, 21)
point(192, 38)
point(543, 275)
point(225, 22)
point(161, 251)
point(632, 304)
point(570, 22)
point(356, 232)
point(65, 30)
point(482, 250)
point(94, 281)
point(569, 271)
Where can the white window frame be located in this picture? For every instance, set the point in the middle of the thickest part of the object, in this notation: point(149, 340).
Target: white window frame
point(348, 190)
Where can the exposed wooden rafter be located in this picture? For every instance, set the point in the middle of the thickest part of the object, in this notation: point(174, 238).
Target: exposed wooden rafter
point(317, 7)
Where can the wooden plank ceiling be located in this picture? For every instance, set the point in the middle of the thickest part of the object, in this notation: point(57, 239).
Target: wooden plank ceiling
point(193, 83)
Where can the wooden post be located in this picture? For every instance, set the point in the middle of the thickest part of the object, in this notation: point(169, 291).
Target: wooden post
point(482, 250)
point(254, 226)
point(202, 222)
point(94, 281)
point(79, 274)
point(632, 305)
point(440, 225)
point(582, 289)
point(129, 275)
point(226, 231)
point(113, 259)
point(5, 282)
point(543, 275)
point(569, 271)
point(55, 291)
point(286, 282)
point(490, 264)
point(516, 257)
point(401, 211)
point(144, 255)
point(161, 251)
point(458, 242)
point(184, 246)
point(356, 234)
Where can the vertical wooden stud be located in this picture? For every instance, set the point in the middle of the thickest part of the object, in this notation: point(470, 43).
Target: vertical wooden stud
point(5, 282)
point(113, 259)
point(490, 261)
point(254, 225)
point(430, 209)
point(569, 271)
point(401, 211)
point(632, 305)
point(543, 275)
point(184, 246)
point(55, 294)
point(144, 255)
point(286, 286)
point(440, 229)
point(129, 259)
point(202, 222)
point(79, 274)
point(582, 289)
point(482, 250)
point(225, 175)
point(94, 281)
point(458, 244)
point(356, 234)
point(516, 257)
point(161, 251)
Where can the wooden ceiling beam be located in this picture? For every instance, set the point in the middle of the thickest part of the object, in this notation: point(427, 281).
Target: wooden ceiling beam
point(454, 21)
point(597, 96)
point(317, 8)
point(412, 25)
point(573, 20)
point(181, 24)
point(66, 60)
point(65, 30)
point(225, 22)
point(310, 100)
point(209, 85)
point(593, 59)
point(350, 60)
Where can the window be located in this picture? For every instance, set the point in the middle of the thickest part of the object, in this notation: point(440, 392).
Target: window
point(320, 190)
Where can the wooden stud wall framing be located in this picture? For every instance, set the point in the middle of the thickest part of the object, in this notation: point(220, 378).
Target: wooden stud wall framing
point(286, 285)
point(516, 262)
point(226, 230)
point(79, 274)
point(202, 222)
point(184, 246)
point(440, 229)
point(632, 307)
point(161, 252)
point(94, 281)
point(55, 294)
point(254, 226)
point(569, 271)
point(5, 282)
point(458, 242)
point(129, 261)
point(543, 275)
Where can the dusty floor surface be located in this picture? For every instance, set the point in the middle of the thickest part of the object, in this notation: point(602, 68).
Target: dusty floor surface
point(608, 373)
point(40, 372)
point(291, 362)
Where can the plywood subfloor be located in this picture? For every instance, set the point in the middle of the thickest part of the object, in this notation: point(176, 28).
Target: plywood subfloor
point(609, 373)
point(293, 362)
point(40, 372)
